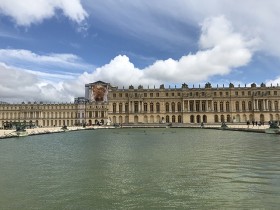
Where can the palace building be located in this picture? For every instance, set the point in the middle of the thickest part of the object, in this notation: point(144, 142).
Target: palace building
point(104, 103)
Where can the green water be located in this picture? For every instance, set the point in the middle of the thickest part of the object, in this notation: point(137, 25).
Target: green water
point(141, 169)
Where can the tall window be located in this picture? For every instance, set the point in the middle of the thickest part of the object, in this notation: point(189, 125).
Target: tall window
point(151, 107)
point(215, 107)
point(167, 107)
point(173, 107)
point(179, 107)
point(197, 108)
point(145, 107)
point(114, 107)
point(269, 106)
point(221, 106)
point(227, 106)
point(120, 108)
point(276, 105)
point(126, 107)
point(191, 106)
point(243, 106)
point(203, 106)
point(136, 107)
point(158, 107)
point(237, 106)
point(250, 106)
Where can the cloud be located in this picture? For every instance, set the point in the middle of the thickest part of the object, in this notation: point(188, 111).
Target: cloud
point(19, 85)
point(221, 50)
point(28, 12)
point(51, 63)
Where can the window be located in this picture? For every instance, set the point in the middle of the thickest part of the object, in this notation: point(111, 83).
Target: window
point(120, 108)
point(126, 107)
point(166, 94)
point(221, 106)
point(178, 94)
point(236, 93)
point(157, 94)
point(126, 95)
point(151, 107)
point(167, 107)
point(120, 94)
point(114, 107)
point(136, 109)
point(145, 94)
point(227, 106)
point(158, 107)
point(275, 93)
point(179, 107)
point(221, 93)
point(145, 107)
point(243, 106)
point(151, 95)
point(215, 106)
point(114, 95)
point(249, 93)
point(203, 106)
point(237, 106)
point(173, 107)
point(215, 93)
point(172, 94)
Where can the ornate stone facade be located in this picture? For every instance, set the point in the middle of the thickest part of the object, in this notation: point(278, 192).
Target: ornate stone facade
point(105, 103)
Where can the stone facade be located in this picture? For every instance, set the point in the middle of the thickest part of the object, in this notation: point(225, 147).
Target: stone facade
point(105, 103)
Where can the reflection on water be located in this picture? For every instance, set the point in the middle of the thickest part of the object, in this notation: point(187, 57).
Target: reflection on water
point(142, 169)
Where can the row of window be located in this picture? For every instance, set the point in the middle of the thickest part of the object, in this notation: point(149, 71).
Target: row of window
point(37, 107)
point(152, 107)
point(221, 94)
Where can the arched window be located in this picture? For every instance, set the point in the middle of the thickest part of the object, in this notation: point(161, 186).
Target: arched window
point(173, 118)
point(179, 119)
point(269, 106)
point(221, 106)
point(237, 106)
point(179, 107)
point(198, 119)
point(216, 118)
point(126, 107)
point(158, 107)
point(114, 107)
point(167, 107)
point(173, 107)
point(250, 106)
point(243, 106)
point(204, 118)
point(145, 107)
point(167, 119)
point(228, 118)
point(276, 105)
point(151, 107)
point(215, 107)
point(227, 106)
point(120, 108)
point(191, 119)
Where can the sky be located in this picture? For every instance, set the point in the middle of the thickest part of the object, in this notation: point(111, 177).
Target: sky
point(49, 49)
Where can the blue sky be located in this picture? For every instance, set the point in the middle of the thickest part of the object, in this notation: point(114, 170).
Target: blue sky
point(49, 49)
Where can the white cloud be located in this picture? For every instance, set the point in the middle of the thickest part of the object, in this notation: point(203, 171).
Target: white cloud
point(20, 85)
point(24, 58)
point(216, 57)
point(222, 49)
point(27, 12)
